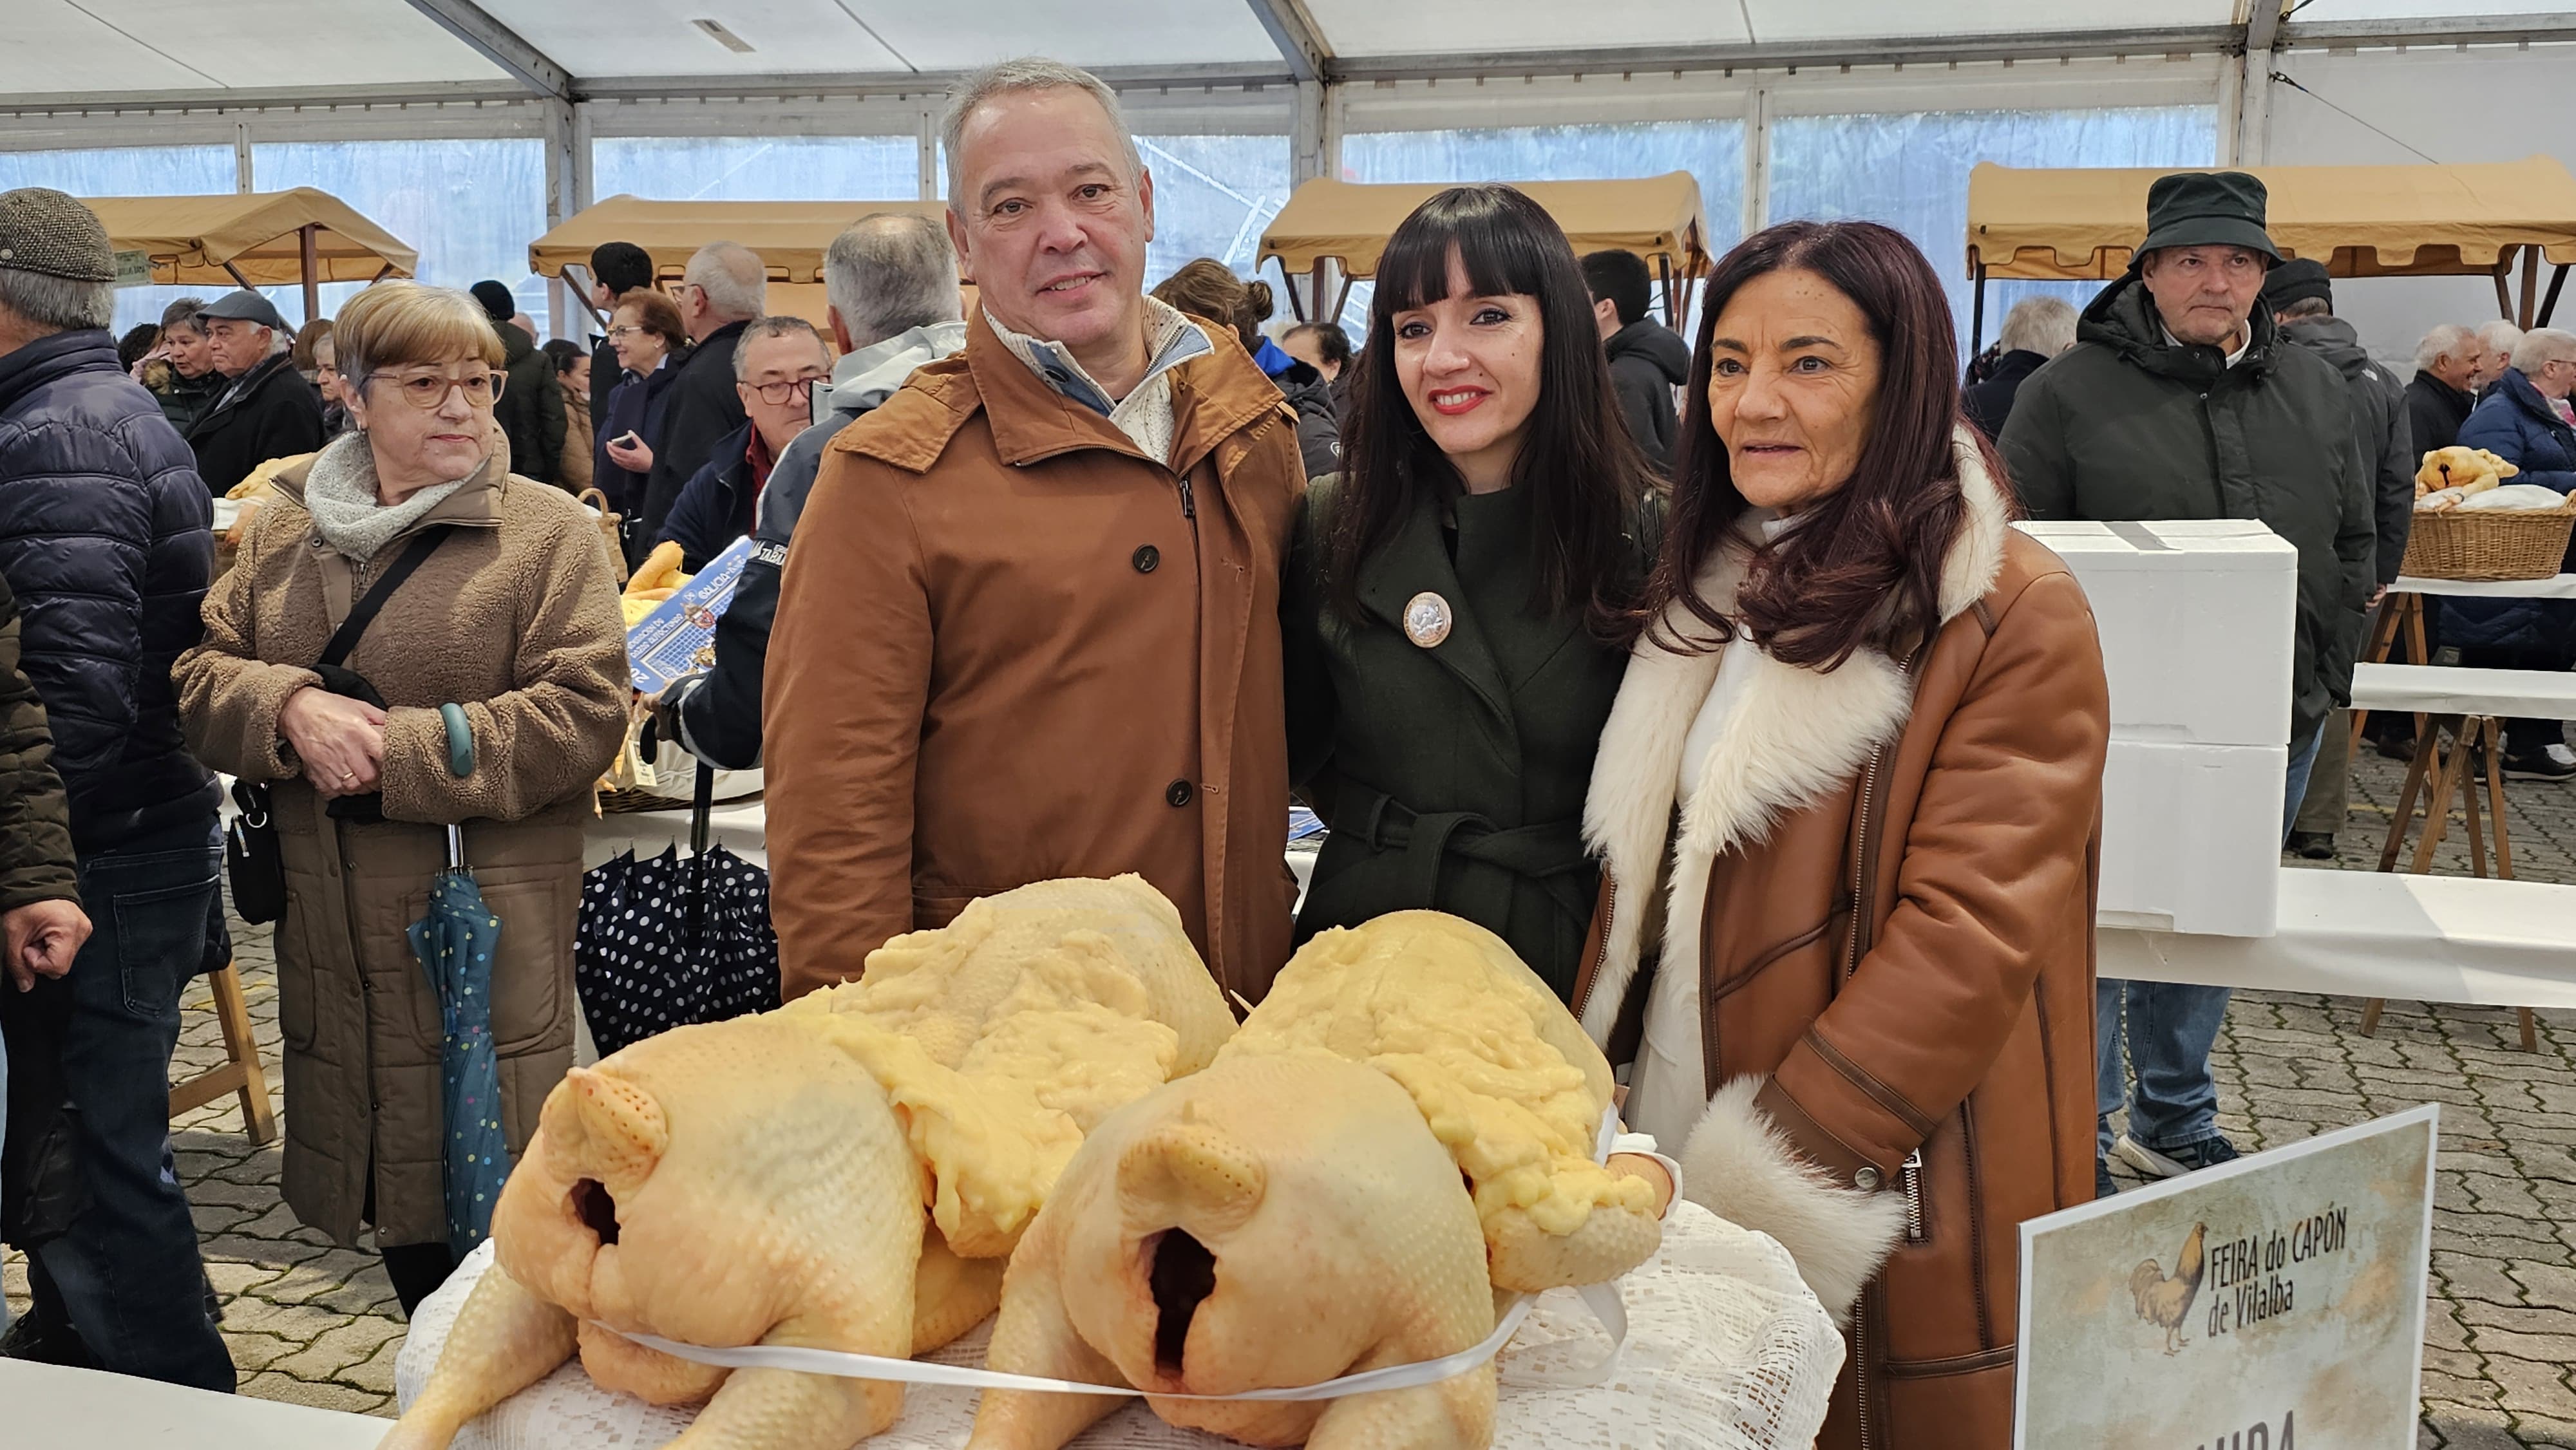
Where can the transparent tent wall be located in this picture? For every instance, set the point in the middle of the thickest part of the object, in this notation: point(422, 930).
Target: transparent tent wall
point(757, 168)
point(470, 206)
point(1910, 171)
point(1711, 151)
point(129, 171)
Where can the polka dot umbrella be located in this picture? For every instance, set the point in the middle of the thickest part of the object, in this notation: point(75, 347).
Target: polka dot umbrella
point(455, 942)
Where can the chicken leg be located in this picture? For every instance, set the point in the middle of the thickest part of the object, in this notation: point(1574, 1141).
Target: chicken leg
point(505, 1339)
point(1034, 1336)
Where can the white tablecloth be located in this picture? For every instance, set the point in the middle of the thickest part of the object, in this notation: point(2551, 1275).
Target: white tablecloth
point(2378, 934)
point(2451, 690)
point(43, 1407)
point(1727, 1350)
point(2561, 587)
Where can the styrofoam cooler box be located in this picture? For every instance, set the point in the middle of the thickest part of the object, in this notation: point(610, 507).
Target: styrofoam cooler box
point(2191, 837)
point(2197, 618)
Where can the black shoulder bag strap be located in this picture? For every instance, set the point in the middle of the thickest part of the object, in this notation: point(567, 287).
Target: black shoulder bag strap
point(339, 679)
point(372, 603)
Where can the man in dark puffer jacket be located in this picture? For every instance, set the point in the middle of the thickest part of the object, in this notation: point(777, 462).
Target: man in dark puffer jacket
point(105, 538)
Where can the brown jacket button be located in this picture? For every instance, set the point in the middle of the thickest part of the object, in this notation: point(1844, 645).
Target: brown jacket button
point(1178, 793)
point(1146, 558)
point(1866, 1180)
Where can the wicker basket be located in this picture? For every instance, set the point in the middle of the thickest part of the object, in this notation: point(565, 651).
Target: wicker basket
point(2489, 543)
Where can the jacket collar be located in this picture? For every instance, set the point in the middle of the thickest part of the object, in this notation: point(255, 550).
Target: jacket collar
point(1171, 340)
point(2518, 387)
point(1792, 736)
point(870, 375)
point(242, 389)
point(2123, 317)
point(1415, 559)
point(83, 349)
point(476, 505)
point(1213, 397)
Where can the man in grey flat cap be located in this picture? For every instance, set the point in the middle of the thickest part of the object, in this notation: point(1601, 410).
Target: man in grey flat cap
point(105, 539)
point(266, 409)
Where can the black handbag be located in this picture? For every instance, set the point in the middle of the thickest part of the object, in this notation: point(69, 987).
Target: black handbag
point(252, 858)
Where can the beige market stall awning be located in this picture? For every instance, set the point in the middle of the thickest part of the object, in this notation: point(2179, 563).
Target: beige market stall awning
point(1347, 222)
point(789, 235)
point(2361, 221)
point(252, 239)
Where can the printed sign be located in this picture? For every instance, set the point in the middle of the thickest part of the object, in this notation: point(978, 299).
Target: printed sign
point(133, 269)
point(2275, 1301)
point(679, 637)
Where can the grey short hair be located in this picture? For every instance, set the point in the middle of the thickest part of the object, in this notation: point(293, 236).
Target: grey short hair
point(2448, 340)
point(734, 279)
point(2044, 325)
point(58, 303)
point(778, 326)
point(2499, 336)
point(2542, 346)
point(1028, 73)
point(891, 272)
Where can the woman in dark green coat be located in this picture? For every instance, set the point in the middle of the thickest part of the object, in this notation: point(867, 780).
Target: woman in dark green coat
point(1455, 612)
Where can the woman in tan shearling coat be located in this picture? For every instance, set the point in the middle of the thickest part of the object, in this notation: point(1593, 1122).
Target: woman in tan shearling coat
point(514, 619)
point(1878, 714)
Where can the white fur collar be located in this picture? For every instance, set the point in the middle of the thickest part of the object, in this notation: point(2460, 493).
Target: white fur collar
point(1792, 735)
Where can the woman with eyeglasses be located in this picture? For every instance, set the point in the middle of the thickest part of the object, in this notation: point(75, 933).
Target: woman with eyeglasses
point(651, 343)
point(776, 363)
point(488, 691)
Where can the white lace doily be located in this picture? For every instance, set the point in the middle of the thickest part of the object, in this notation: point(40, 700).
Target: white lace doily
point(1727, 1350)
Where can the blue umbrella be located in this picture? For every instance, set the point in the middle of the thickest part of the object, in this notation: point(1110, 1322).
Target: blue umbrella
point(455, 942)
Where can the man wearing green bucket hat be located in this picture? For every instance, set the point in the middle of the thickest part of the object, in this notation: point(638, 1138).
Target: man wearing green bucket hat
point(2181, 400)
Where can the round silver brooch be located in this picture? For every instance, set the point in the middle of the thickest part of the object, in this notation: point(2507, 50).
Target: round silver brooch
point(1426, 619)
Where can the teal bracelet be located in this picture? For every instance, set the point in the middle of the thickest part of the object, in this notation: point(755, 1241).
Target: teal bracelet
point(460, 740)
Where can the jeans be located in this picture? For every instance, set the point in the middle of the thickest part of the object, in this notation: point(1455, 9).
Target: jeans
point(2171, 1027)
point(115, 1259)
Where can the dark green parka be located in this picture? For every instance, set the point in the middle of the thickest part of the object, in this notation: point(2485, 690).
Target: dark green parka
point(35, 818)
point(1451, 778)
point(2130, 425)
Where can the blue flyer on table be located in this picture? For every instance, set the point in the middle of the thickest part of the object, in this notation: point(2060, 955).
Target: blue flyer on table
point(679, 637)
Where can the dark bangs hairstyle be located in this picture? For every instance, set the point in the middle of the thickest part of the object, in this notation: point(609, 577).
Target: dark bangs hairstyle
point(1863, 568)
point(1584, 473)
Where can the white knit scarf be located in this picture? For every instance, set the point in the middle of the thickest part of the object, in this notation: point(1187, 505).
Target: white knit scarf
point(340, 494)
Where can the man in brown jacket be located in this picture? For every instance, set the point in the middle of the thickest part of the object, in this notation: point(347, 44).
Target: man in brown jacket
point(1029, 628)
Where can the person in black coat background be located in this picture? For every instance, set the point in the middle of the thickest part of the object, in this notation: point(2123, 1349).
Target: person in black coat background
point(2037, 329)
point(106, 540)
point(616, 268)
point(724, 289)
point(2439, 397)
point(1647, 359)
point(267, 410)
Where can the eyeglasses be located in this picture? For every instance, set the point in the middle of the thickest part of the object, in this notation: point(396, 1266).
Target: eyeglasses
point(779, 394)
point(626, 330)
point(429, 390)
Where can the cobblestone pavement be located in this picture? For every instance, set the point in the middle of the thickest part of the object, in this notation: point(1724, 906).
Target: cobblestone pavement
point(318, 1325)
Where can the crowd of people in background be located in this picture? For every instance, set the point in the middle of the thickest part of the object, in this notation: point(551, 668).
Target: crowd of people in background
point(1524, 593)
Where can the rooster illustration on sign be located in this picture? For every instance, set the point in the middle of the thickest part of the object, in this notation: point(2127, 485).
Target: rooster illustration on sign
point(2165, 1300)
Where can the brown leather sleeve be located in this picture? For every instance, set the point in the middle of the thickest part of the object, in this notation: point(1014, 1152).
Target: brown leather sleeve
point(848, 679)
point(1993, 884)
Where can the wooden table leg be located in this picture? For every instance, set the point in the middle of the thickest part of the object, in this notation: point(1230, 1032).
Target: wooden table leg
point(2437, 809)
point(2425, 738)
point(2495, 797)
point(2469, 806)
point(2370, 1011)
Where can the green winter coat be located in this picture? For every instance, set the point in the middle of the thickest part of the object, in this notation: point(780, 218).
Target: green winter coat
point(2128, 425)
point(1451, 778)
point(35, 818)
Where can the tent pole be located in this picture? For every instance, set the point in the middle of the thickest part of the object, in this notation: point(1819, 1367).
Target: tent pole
point(382, 273)
point(2549, 300)
point(1314, 292)
point(238, 279)
point(2530, 285)
point(1977, 314)
point(305, 243)
point(1672, 310)
point(581, 293)
point(2504, 289)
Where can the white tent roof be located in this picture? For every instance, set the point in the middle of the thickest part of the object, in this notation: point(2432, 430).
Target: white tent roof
point(95, 52)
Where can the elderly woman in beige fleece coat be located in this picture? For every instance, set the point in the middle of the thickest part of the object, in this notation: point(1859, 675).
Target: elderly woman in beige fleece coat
point(513, 618)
